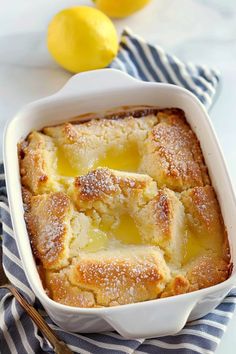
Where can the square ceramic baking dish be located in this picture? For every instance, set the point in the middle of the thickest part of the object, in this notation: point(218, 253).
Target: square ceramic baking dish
point(101, 91)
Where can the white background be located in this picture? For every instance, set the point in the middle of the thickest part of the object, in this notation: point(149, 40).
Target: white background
point(203, 31)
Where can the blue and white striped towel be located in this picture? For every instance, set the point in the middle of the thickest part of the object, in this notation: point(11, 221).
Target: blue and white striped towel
point(151, 63)
point(19, 335)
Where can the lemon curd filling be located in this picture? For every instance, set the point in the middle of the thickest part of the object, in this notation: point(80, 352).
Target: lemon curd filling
point(126, 231)
point(126, 159)
point(98, 240)
point(196, 244)
point(64, 167)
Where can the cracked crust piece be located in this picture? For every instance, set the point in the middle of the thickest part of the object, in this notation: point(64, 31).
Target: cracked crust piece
point(203, 271)
point(172, 154)
point(105, 189)
point(178, 285)
point(207, 270)
point(206, 255)
point(61, 290)
point(48, 222)
point(202, 205)
point(118, 276)
point(54, 226)
point(38, 163)
point(161, 223)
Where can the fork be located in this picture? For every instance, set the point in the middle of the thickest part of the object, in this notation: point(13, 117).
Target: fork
point(59, 346)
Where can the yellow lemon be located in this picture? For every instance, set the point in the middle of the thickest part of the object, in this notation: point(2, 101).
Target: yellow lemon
point(120, 8)
point(82, 38)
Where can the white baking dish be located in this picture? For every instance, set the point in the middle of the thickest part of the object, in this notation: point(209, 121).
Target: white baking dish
point(100, 91)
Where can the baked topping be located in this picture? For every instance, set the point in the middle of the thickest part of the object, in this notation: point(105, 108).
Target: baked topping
point(121, 210)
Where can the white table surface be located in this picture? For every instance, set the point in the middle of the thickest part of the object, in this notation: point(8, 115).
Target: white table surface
point(203, 31)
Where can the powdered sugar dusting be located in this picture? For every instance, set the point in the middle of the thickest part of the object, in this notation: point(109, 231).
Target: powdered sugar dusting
point(103, 181)
point(119, 279)
point(95, 183)
point(179, 150)
point(47, 223)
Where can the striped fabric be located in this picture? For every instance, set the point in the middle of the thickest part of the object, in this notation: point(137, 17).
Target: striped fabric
point(19, 335)
point(151, 63)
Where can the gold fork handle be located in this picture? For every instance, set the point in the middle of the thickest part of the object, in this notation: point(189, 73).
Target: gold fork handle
point(59, 346)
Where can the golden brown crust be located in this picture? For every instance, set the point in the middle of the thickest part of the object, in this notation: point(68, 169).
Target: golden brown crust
point(37, 158)
point(47, 222)
point(70, 133)
point(103, 183)
point(61, 290)
point(108, 236)
point(121, 276)
point(178, 285)
point(26, 196)
point(161, 221)
point(110, 280)
point(96, 184)
point(207, 270)
point(202, 204)
point(173, 156)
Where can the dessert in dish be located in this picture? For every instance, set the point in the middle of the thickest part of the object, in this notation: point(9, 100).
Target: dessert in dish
point(121, 209)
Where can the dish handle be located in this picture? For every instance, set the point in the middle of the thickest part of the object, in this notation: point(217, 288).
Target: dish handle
point(152, 321)
point(96, 80)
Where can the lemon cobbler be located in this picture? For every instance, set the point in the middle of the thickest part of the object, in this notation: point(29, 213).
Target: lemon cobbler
point(121, 209)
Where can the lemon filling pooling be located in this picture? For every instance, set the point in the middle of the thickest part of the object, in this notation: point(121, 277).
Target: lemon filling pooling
point(64, 167)
point(98, 240)
point(127, 159)
point(125, 232)
point(195, 244)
